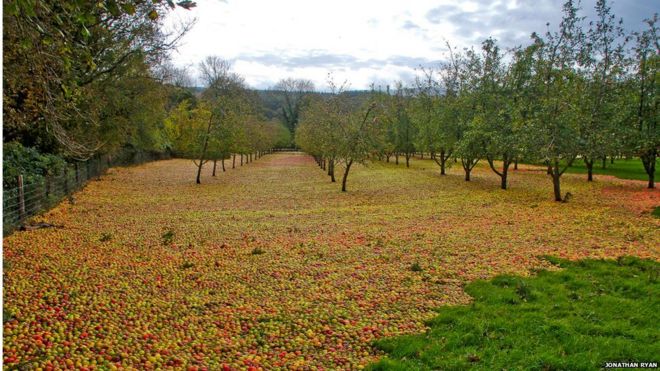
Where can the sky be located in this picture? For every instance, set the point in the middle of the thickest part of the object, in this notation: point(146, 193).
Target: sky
point(362, 41)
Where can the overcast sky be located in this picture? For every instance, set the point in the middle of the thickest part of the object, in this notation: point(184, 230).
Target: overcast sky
point(362, 41)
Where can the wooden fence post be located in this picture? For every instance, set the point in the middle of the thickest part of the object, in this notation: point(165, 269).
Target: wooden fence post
point(47, 182)
point(21, 199)
point(98, 167)
point(66, 180)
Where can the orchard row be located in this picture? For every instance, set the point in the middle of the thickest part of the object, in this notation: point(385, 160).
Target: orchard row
point(581, 92)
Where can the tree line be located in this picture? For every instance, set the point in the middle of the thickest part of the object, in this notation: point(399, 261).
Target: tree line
point(84, 79)
point(223, 122)
point(583, 91)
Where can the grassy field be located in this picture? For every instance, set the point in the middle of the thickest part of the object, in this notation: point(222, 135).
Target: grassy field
point(590, 313)
point(271, 266)
point(622, 168)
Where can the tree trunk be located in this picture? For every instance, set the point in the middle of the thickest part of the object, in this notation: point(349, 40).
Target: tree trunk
point(421, 155)
point(204, 148)
point(215, 163)
point(199, 172)
point(331, 170)
point(590, 169)
point(223, 164)
point(604, 162)
point(443, 162)
point(648, 160)
point(506, 162)
point(556, 186)
point(343, 182)
point(241, 159)
point(388, 158)
point(556, 173)
point(468, 165)
point(407, 159)
point(233, 161)
point(505, 174)
point(651, 180)
point(515, 164)
point(396, 156)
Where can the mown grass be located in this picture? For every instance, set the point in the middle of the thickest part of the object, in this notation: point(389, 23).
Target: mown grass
point(621, 168)
point(590, 312)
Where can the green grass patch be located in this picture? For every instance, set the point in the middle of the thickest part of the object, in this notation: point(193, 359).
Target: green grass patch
point(624, 169)
point(656, 212)
point(590, 312)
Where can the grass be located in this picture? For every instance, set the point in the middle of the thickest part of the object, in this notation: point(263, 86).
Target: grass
point(622, 168)
point(590, 312)
point(181, 283)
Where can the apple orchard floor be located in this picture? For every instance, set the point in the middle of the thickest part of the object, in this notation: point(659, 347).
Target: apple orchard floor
point(271, 266)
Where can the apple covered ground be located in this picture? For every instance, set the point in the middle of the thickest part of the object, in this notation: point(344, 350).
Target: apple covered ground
point(269, 265)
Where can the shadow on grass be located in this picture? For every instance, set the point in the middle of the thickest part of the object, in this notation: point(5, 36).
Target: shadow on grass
point(590, 312)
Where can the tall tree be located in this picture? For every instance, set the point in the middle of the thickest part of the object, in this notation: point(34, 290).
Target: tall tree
point(554, 128)
point(602, 66)
point(293, 93)
point(501, 133)
point(395, 114)
point(470, 145)
point(228, 101)
point(646, 134)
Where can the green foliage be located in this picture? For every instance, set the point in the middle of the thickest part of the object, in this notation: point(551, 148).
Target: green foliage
point(168, 237)
point(416, 267)
point(76, 71)
point(281, 135)
point(105, 237)
point(590, 312)
point(395, 113)
point(337, 128)
point(34, 166)
point(293, 94)
point(602, 63)
point(257, 251)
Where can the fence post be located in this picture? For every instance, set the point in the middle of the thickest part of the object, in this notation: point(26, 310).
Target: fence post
point(66, 180)
point(47, 181)
point(98, 167)
point(21, 199)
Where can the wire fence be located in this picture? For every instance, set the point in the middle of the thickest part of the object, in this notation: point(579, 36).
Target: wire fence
point(285, 150)
point(27, 200)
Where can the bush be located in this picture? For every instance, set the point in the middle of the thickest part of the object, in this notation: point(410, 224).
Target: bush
point(34, 166)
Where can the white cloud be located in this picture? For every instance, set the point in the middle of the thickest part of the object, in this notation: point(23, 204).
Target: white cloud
point(361, 40)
